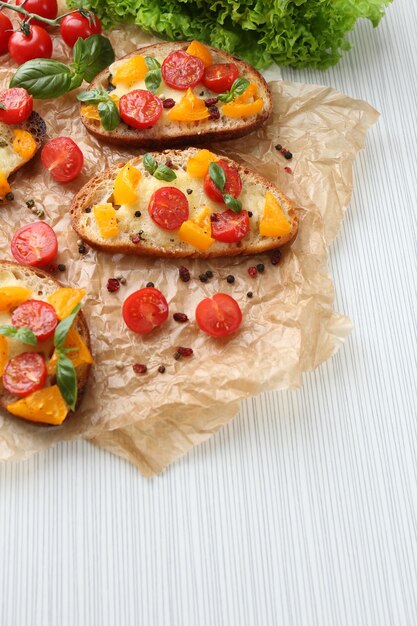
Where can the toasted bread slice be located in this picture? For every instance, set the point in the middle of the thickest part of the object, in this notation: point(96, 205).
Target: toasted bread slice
point(10, 160)
point(166, 133)
point(42, 286)
point(140, 235)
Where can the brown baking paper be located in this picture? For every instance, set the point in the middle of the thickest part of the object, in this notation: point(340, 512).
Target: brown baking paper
point(289, 326)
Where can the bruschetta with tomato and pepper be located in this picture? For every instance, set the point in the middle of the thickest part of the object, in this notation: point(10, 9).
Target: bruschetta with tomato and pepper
point(172, 94)
point(45, 356)
point(183, 203)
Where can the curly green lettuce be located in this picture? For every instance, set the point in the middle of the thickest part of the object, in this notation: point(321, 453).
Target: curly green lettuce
point(300, 33)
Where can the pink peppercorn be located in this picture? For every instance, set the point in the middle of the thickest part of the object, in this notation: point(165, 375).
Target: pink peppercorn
point(252, 271)
point(113, 285)
point(140, 368)
point(184, 351)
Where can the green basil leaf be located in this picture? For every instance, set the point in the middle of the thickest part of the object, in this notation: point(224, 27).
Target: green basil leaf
point(78, 51)
point(23, 334)
point(149, 163)
point(94, 96)
point(153, 79)
point(109, 115)
point(94, 55)
point(63, 327)
point(152, 63)
point(232, 203)
point(76, 81)
point(66, 378)
point(163, 172)
point(217, 175)
point(239, 86)
point(43, 78)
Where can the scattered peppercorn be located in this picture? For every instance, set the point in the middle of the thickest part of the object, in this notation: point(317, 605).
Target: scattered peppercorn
point(168, 103)
point(180, 317)
point(177, 356)
point(122, 280)
point(203, 278)
point(30, 204)
point(120, 365)
point(113, 285)
point(39, 213)
point(230, 278)
point(10, 196)
point(138, 213)
point(82, 249)
point(184, 351)
point(284, 150)
point(260, 267)
point(61, 267)
point(214, 113)
point(201, 93)
point(288, 170)
point(88, 209)
point(140, 368)
point(288, 155)
point(250, 294)
point(210, 101)
point(189, 191)
point(252, 271)
point(209, 274)
point(150, 284)
point(184, 274)
point(161, 369)
point(276, 257)
point(135, 238)
point(250, 214)
point(169, 163)
point(278, 147)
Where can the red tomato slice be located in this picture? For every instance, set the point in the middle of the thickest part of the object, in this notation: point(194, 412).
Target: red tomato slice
point(25, 374)
point(77, 25)
point(18, 105)
point(63, 158)
point(180, 70)
point(39, 316)
point(218, 316)
point(37, 44)
point(144, 310)
point(229, 226)
point(43, 8)
point(6, 29)
point(34, 244)
point(219, 77)
point(140, 108)
point(233, 185)
point(168, 207)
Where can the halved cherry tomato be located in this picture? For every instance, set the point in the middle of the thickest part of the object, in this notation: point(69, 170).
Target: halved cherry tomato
point(78, 25)
point(37, 44)
point(63, 158)
point(140, 108)
point(6, 29)
point(233, 185)
point(218, 316)
point(219, 77)
point(229, 226)
point(39, 316)
point(145, 309)
point(34, 244)
point(43, 8)
point(18, 105)
point(168, 207)
point(181, 70)
point(25, 374)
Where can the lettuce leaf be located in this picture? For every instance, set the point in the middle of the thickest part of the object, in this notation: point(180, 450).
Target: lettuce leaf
point(299, 33)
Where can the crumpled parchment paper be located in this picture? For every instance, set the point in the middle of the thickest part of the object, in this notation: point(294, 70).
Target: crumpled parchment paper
point(289, 326)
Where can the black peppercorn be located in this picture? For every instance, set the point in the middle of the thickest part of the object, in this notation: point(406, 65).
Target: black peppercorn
point(209, 274)
point(61, 267)
point(161, 369)
point(138, 213)
point(250, 294)
point(230, 278)
point(260, 267)
point(150, 284)
point(203, 278)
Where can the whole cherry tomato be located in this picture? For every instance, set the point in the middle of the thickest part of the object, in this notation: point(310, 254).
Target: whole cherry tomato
point(17, 103)
point(31, 42)
point(80, 24)
point(6, 29)
point(43, 8)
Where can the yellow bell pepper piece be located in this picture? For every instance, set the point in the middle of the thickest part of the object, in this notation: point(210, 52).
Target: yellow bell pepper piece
point(189, 109)
point(24, 144)
point(203, 220)
point(46, 406)
point(237, 110)
point(11, 297)
point(199, 50)
point(90, 111)
point(127, 180)
point(79, 353)
point(273, 222)
point(198, 165)
point(105, 215)
point(65, 299)
point(195, 235)
point(4, 185)
point(4, 353)
point(133, 71)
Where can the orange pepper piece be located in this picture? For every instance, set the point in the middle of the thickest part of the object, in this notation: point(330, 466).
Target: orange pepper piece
point(4, 353)
point(274, 222)
point(46, 406)
point(199, 50)
point(198, 164)
point(189, 109)
point(11, 297)
point(133, 71)
point(65, 299)
point(24, 144)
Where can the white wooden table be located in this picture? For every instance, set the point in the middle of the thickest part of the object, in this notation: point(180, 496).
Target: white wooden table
point(303, 512)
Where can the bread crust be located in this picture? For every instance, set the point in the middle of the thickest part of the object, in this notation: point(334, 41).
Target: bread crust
point(200, 133)
point(37, 276)
point(86, 196)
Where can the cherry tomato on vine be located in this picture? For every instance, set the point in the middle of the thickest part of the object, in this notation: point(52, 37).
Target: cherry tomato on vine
point(43, 8)
point(34, 244)
point(6, 29)
point(218, 316)
point(63, 158)
point(33, 42)
point(17, 103)
point(79, 25)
